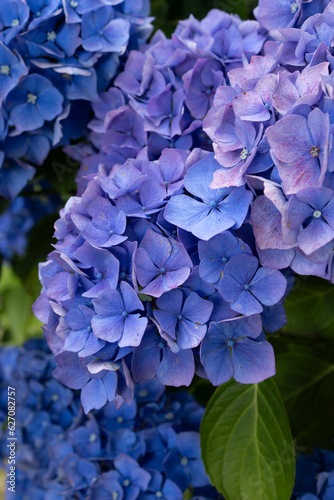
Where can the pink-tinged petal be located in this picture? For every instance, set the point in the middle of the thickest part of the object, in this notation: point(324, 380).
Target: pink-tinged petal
point(290, 138)
point(308, 82)
point(285, 95)
point(176, 369)
point(176, 278)
point(266, 221)
point(301, 173)
point(249, 107)
point(314, 236)
point(253, 362)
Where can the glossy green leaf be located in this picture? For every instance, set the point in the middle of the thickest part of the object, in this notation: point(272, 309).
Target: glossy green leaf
point(309, 309)
point(306, 384)
point(246, 442)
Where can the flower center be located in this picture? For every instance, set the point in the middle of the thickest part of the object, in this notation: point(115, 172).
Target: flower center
point(184, 461)
point(74, 4)
point(246, 287)
point(128, 133)
point(125, 314)
point(32, 98)
point(144, 392)
point(143, 209)
point(230, 343)
point(224, 259)
point(55, 397)
point(92, 438)
point(123, 275)
point(170, 415)
point(209, 91)
point(89, 328)
point(158, 494)
point(120, 420)
point(163, 270)
point(170, 115)
point(315, 151)
point(179, 317)
point(316, 214)
point(111, 232)
point(15, 22)
point(126, 482)
point(162, 345)
point(99, 276)
point(114, 495)
point(213, 204)
point(294, 7)
point(244, 154)
point(5, 69)
point(101, 32)
point(52, 35)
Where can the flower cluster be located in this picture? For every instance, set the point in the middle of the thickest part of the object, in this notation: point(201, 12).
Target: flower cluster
point(315, 476)
point(148, 450)
point(156, 274)
point(272, 129)
point(17, 220)
point(56, 56)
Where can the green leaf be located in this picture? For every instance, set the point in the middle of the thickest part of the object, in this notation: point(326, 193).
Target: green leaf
point(306, 384)
point(247, 446)
point(309, 309)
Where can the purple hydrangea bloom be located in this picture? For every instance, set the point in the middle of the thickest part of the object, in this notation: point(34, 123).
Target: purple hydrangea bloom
point(215, 253)
point(229, 350)
point(248, 288)
point(183, 318)
point(161, 264)
point(12, 68)
point(116, 320)
point(301, 158)
point(215, 211)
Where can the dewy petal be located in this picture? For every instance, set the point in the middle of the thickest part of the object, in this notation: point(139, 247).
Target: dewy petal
point(253, 362)
point(268, 286)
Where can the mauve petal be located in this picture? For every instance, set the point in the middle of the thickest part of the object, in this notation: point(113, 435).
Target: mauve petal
point(157, 287)
point(242, 267)
point(176, 369)
point(289, 147)
point(171, 302)
point(176, 278)
point(296, 213)
point(76, 340)
point(250, 107)
point(210, 270)
point(314, 236)
point(253, 362)
point(157, 246)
